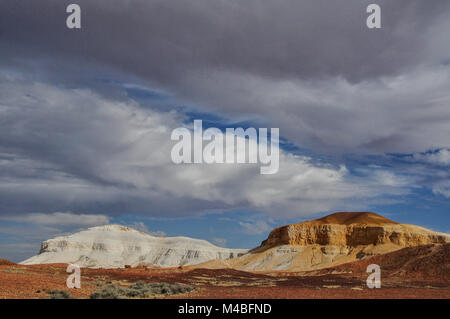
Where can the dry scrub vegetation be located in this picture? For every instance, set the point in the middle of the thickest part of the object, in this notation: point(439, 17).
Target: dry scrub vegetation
point(141, 290)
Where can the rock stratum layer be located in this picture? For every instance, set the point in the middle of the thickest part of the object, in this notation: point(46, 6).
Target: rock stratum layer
point(114, 246)
point(332, 240)
point(352, 230)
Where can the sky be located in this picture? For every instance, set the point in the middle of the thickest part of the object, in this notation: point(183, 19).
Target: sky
point(86, 115)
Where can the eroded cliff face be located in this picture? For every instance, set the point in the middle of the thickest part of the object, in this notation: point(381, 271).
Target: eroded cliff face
point(114, 246)
point(352, 235)
point(332, 240)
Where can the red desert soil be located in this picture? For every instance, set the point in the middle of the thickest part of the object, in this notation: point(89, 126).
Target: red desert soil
point(6, 262)
point(347, 218)
point(416, 272)
point(429, 263)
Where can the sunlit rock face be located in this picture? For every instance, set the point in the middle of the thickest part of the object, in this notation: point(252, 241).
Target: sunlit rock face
point(332, 240)
point(114, 246)
point(353, 229)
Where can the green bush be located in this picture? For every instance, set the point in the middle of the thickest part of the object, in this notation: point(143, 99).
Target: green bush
point(109, 292)
point(58, 294)
point(140, 290)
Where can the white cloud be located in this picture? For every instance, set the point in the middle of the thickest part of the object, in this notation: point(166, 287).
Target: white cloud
point(256, 227)
point(440, 157)
point(157, 233)
point(221, 242)
point(143, 228)
point(401, 113)
point(72, 149)
point(140, 226)
point(442, 188)
point(60, 219)
point(334, 94)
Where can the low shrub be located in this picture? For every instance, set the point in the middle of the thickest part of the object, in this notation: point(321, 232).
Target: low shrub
point(109, 292)
point(141, 290)
point(58, 294)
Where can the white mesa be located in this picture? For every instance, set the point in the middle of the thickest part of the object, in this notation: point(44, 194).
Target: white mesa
point(235, 146)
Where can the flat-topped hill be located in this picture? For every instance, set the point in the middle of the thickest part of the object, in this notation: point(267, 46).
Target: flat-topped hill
point(332, 240)
point(348, 218)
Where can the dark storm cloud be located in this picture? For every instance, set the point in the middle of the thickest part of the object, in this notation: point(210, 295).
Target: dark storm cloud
point(71, 141)
point(311, 67)
point(163, 40)
point(73, 150)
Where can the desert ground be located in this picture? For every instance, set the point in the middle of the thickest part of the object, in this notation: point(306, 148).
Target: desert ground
point(416, 272)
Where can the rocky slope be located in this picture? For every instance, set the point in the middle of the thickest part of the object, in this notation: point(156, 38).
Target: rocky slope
point(114, 246)
point(332, 240)
point(352, 230)
point(5, 262)
point(426, 262)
